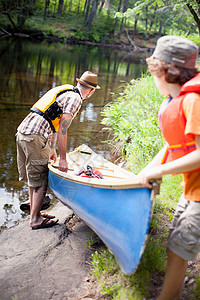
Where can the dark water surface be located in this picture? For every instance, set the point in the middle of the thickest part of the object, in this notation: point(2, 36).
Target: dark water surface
point(27, 71)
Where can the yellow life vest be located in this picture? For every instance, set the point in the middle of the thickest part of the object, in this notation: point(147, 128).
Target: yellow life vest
point(48, 108)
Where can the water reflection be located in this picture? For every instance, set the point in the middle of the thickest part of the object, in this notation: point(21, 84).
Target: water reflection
point(28, 70)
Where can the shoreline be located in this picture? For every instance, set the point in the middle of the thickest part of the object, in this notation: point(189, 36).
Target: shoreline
point(38, 36)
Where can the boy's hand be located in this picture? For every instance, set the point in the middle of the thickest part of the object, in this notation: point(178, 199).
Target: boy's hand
point(146, 175)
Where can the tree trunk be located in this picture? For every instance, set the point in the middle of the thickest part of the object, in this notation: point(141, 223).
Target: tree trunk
point(122, 22)
point(121, 27)
point(25, 7)
point(101, 6)
point(118, 10)
point(135, 27)
point(92, 13)
point(78, 7)
point(146, 18)
point(160, 29)
point(87, 8)
point(65, 6)
point(60, 6)
point(198, 3)
point(85, 5)
point(47, 2)
point(153, 17)
point(11, 21)
point(195, 16)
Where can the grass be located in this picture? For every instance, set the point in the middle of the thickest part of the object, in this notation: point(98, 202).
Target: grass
point(133, 120)
point(138, 285)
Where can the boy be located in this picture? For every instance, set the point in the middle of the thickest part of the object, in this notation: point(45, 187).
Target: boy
point(173, 68)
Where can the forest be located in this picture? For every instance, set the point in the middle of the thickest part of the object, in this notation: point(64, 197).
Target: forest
point(100, 21)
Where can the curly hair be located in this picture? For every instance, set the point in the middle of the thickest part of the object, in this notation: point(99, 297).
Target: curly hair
point(174, 74)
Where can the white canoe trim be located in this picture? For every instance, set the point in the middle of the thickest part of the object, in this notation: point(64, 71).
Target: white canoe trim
point(115, 177)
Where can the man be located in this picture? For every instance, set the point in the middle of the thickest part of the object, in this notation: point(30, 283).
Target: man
point(39, 133)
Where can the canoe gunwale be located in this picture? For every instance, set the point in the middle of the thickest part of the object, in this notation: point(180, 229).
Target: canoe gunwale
point(128, 181)
point(100, 183)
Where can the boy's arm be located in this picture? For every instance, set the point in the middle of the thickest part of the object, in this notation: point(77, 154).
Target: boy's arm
point(183, 164)
point(156, 161)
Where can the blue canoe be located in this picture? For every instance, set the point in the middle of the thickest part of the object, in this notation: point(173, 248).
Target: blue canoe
point(116, 207)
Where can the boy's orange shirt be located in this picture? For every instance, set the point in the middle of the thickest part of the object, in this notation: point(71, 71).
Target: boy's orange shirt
point(191, 109)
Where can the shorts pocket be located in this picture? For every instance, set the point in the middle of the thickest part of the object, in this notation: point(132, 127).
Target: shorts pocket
point(26, 138)
point(38, 169)
point(41, 143)
point(190, 234)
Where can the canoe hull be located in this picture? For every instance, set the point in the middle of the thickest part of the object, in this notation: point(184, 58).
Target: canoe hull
point(120, 217)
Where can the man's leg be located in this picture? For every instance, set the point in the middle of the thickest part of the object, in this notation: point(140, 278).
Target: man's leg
point(174, 277)
point(36, 195)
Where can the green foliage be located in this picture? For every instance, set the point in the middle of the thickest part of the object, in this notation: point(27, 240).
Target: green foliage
point(174, 17)
point(99, 32)
point(171, 187)
point(104, 262)
point(90, 242)
point(121, 286)
point(133, 118)
point(51, 31)
point(197, 289)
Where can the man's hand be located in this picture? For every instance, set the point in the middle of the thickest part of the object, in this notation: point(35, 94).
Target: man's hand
point(63, 165)
point(53, 155)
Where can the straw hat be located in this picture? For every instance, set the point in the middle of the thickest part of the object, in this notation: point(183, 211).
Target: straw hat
point(89, 79)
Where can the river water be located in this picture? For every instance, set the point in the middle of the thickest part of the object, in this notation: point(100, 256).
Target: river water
point(28, 70)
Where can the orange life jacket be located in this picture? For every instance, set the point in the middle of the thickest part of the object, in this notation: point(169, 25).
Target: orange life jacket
point(172, 122)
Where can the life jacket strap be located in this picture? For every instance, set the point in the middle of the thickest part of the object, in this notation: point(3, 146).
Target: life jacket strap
point(188, 147)
point(76, 90)
point(39, 112)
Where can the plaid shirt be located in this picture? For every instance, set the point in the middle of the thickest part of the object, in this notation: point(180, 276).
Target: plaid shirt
point(70, 102)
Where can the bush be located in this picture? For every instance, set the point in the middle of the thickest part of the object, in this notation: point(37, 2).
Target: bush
point(133, 118)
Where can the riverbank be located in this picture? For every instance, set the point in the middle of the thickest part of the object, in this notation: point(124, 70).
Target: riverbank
point(139, 45)
point(66, 29)
point(51, 263)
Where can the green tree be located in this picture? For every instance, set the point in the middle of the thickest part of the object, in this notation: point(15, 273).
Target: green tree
point(194, 8)
point(162, 10)
point(17, 11)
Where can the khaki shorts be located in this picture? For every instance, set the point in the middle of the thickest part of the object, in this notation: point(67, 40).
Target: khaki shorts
point(184, 233)
point(33, 152)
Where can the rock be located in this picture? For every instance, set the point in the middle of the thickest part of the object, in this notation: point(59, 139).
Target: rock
point(44, 264)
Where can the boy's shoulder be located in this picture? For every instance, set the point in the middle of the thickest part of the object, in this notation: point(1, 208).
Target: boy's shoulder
point(191, 97)
point(191, 104)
